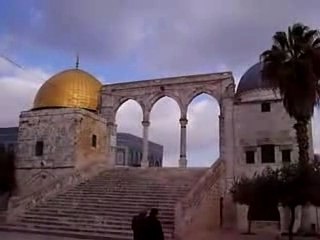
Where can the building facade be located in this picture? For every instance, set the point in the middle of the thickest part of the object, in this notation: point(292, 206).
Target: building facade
point(129, 151)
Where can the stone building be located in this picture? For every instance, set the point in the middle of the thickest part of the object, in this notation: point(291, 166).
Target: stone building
point(8, 138)
point(129, 151)
point(72, 125)
point(265, 138)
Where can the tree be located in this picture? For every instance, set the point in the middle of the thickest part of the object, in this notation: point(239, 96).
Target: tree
point(291, 186)
point(292, 66)
point(260, 190)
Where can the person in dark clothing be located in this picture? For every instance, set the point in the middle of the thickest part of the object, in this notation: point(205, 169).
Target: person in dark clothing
point(138, 225)
point(154, 228)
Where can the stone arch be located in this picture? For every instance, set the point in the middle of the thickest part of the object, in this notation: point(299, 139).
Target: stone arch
point(156, 97)
point(164, 119)
point(207, 139)
point(197, 93)
point(122, 101)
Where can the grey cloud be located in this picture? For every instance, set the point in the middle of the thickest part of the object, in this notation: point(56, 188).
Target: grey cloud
point(169, 37)
point(18, 88)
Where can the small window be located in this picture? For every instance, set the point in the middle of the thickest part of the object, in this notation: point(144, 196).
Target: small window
point(94, 141)
point(265, 107)
point(267, 153)
point(250, 157)
point(286, 155)
point(39, 148)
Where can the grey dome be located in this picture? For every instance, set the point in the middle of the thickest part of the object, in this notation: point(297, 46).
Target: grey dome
point(252, 79)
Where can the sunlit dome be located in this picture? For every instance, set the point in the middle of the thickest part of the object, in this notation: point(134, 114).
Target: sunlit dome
point(72, 88)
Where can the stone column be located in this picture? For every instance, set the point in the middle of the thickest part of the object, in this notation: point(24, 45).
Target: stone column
point(112, 133)
point(145, 152)
point(183, 143)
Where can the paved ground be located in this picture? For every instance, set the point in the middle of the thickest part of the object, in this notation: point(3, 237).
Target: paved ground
point(27, 236)
point(208, 236)
point(231, 235)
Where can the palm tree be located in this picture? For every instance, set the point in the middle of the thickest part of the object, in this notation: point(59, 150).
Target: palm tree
point(292, 66)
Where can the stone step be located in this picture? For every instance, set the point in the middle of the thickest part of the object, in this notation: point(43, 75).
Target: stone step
point(132, 182)
point(116, 197)
point(90, 218)
point(141, 201)
point(94, 225)
point(60, 205)
point(162, 212)
point(89, 189)
point(126, 202)
point(128, 191)
point(111, 221)
point(92, 212)
point(103, 207)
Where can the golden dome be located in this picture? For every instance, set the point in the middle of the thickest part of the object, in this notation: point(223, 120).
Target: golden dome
point(71, 88)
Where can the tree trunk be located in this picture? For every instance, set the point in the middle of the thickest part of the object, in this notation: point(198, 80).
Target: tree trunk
point(301, 128)
point(292, 218)
point(249, 227)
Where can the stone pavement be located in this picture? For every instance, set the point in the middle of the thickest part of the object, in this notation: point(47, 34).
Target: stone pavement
point(233, 235)
point(225, 235)
point(27, 236)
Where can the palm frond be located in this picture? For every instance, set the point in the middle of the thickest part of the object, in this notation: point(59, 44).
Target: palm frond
point(292, 65)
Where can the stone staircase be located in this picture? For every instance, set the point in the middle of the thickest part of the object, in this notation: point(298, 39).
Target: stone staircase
point(102, 208)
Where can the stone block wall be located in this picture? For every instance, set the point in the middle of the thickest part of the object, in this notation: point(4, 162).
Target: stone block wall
point(254, 128)
point(88, 126)
point(66, 134)
point(199, 211)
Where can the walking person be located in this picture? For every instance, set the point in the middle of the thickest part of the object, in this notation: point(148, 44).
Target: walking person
point(154, 228)
point(138, 225)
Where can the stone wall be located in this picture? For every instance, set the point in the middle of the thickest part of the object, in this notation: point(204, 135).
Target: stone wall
point(90, 125)
point(66, 135)
point(56, 128)
point(199, 211)
point(48, 189)
point(254, 128)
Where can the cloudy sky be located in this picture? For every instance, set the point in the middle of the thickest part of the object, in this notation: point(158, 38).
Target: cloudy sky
point(122, 40)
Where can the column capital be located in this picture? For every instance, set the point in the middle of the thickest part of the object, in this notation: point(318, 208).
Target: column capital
point(145, 123)
point(183, 122)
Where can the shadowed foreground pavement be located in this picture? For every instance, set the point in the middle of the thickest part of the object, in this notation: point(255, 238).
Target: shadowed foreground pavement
point(225, 235)
point(27, 236)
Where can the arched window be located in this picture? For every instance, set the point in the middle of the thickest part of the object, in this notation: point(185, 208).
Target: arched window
point(94, 141)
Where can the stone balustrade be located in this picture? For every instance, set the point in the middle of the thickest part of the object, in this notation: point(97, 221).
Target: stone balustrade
point(200, 199)
point(17, 204)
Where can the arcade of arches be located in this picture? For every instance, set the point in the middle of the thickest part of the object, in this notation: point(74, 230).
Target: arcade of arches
point(181, 89)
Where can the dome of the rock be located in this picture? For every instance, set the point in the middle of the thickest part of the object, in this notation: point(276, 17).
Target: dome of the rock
point(72, 88)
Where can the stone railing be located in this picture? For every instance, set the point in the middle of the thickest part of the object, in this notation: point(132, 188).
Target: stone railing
point(20, 203)
point(187, 208)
